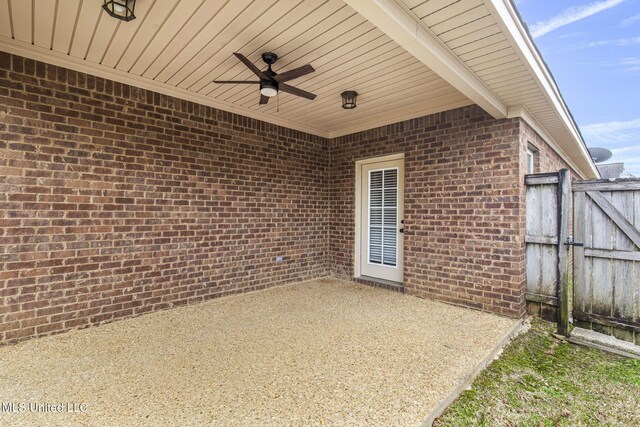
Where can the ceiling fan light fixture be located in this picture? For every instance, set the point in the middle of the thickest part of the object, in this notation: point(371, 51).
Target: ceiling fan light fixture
point(268, 88)
point(349, 98)
point(120, 9)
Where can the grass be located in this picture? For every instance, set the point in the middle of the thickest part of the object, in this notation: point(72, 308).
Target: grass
point(542, 381)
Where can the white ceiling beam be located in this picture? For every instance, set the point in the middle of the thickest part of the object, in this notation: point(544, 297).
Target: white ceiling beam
point(401, 25)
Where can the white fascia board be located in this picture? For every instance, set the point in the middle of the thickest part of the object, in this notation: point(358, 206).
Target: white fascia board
point(37, 53)
point(512, 27)
point(402, 26)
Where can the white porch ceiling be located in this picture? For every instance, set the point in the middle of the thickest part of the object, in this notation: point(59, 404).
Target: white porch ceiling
point(405, 58)
point(179, 47)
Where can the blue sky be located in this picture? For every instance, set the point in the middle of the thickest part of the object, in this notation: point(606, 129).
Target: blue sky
point(593, 50)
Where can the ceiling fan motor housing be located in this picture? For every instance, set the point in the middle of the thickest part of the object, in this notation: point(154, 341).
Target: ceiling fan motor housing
point(269, 57)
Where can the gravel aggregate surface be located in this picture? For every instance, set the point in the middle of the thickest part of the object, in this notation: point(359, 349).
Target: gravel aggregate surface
point(322, 352)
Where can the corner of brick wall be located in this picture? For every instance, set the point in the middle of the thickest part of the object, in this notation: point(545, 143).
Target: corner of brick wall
point(547, 160)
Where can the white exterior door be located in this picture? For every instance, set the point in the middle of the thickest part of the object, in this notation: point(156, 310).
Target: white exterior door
point(381, 222)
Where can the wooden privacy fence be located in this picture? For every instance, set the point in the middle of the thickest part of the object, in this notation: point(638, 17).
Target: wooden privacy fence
point(606, 253)
point(547, 255)
point(607, 268)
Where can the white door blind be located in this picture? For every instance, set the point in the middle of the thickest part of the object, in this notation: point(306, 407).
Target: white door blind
point(383, 217)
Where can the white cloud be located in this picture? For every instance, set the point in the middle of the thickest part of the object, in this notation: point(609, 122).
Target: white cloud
point(629, 61)
point(630, 21)
point(612, 133)
point(571, 15)
point(633, 149)
point(613, 126)
point(616, 42)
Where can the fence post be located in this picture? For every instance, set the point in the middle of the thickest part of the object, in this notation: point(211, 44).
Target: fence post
point(564, 192)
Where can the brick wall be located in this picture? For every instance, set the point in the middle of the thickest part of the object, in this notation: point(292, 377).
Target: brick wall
point(116, 201)
point(463, 243)
point(547, 160)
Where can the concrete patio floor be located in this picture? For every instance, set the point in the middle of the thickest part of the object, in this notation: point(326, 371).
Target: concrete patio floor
point(322, 352)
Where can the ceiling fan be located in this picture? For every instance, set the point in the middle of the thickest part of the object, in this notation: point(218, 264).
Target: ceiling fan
point(271, 82)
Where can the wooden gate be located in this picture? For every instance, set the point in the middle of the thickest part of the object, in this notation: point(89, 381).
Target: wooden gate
point(547, 255)
point(607, 268)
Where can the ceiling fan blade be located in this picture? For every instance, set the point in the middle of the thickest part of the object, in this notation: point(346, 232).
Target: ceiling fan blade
point(294, 74)
point(295, 91)
point(237, 82)
point(263, 99)
point(252, 67)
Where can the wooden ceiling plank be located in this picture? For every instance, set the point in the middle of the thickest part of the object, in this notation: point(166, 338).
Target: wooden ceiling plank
point(85, 28)
point(504, 62)
point(21, 15)
point(148, 29)
point(482, 44)
point(525, 99)
point(5, 19)
point(505, 72)
point(126, 34)
point(460, 20)
point(493, 56)
point(502, 80)
point(414, 3)
point(387, 59)
point(481, 33)
point(44, 14)
point(526, 91)
point(467, 30)
point(195, 68)
point(514, 80)
point(430, 7)
point(179, 17)
point(105, 33)
point(66, 16)
point(485, 50)
point(522, 87)
point(183, 63)
point(451, 11)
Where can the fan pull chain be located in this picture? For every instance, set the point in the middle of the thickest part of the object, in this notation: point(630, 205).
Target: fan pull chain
point(278, 103)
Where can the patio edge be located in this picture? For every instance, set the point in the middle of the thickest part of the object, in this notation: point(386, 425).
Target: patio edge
point(466, 381)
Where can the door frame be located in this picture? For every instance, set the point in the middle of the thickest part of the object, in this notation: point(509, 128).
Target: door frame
point(357, 267)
